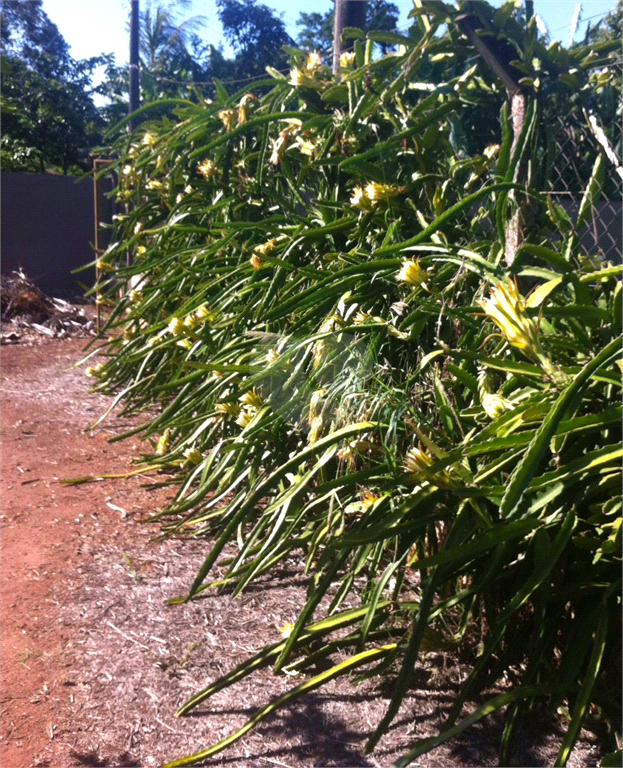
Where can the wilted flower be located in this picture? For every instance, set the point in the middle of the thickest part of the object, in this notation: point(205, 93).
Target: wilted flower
point(243, 106)
point(207, 168)
point(314, 60)
point(163, 443)
point(315, 430)
point(315, 404)
point(347, 59)
point(138, 227)
point(184, 343)
point(255, 261)
point(228, 118)
point(272, 356)
point(127, 170)
point(369, 499)
point(265, 248)
point(412, 274)
point(286, 136)
point(135, 296)
point(507, 308)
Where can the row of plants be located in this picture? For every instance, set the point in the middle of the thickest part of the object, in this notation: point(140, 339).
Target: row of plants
point(345, 370)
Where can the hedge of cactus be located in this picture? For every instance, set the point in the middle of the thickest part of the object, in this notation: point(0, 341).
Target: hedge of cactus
point(345, 370)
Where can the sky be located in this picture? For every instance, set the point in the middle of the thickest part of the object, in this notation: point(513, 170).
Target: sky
point(92, 27)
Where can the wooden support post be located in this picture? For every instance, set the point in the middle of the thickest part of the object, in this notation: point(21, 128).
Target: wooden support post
point(348, 13)
point(135, 74)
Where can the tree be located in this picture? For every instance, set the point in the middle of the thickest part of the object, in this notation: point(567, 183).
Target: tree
point(317, 28)
point(256, 34)
point(48, 116)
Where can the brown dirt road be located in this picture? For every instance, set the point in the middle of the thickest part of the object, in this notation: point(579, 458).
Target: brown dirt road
point(92, 661)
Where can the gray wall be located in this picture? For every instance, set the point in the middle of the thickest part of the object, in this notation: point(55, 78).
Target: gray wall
point(47, 228)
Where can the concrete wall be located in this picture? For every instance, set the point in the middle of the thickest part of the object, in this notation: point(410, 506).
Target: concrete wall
point(47, 228)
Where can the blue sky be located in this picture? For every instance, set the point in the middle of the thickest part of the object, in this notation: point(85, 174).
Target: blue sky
point(92, 27)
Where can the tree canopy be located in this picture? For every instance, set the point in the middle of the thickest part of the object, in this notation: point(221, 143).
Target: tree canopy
point(49, 120)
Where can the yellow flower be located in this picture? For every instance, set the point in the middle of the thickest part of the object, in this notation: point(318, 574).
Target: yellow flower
point(94, 370)
point(412, 274)
point(103, 266)
point(376, 192)
point(192, 456)
point(272, 356)
point(149, 139)
point(163, 443)
point(301, 80)
point(207, 168)
point(140, 250)
point(495, 405)
point(314, 60)
point(153, 184)
point(507, 308)
point(306, 147)
point(228, 118)
point(251, 398)
point(245, 417)
point(184, 343)
point(228, 409)
point(360, 199)
point(347, 59)
point(203, 313)
point(418, 462)
point(191, 321)
point(286, 630)
point(135, 296)
point(176, 326)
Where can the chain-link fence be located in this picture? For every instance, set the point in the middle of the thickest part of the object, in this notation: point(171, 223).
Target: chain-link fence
point(575, 140)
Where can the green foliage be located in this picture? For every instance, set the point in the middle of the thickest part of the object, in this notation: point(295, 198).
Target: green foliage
point(316, 32)
point(48, 116)
point(346, 374)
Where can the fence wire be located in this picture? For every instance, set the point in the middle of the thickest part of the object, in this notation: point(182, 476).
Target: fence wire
point(572, 150)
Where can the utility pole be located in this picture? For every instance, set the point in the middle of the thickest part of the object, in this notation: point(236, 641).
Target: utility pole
point(134, 63)
point(348, 13)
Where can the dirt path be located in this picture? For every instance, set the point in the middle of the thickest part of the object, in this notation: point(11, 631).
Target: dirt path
point(94, 663)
